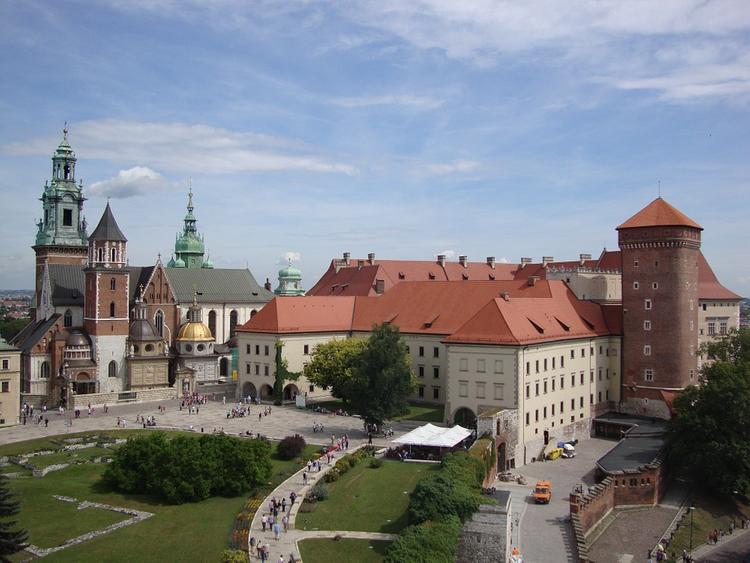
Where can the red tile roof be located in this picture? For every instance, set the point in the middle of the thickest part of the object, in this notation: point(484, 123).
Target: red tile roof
point(659, 213)
point(303, 314)
point(528, 320)
point(709, 286)
point(499, 312)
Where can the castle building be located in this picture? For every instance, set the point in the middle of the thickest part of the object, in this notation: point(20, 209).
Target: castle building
point(10, 384)
point(111, 331)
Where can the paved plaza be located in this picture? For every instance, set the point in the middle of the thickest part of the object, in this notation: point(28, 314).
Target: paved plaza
point(282, 422)
point(545, 531)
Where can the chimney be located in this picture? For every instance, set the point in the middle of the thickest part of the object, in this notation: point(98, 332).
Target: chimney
point(379, 287)
point(267, 285)
point(347, 258)
point(441, 259)
point(463, 260)
point(505, 295)
point(491, 262)
point(584, 257)
point(525, 261)
point(547, 259)
point(531, 282)
point(371, 258)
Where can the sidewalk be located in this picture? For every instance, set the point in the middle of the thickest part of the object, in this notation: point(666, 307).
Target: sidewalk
point(704, 551)
point(287, 543)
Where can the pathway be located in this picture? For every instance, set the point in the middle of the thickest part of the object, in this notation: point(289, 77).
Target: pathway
point(729, 548)
point(288, 541)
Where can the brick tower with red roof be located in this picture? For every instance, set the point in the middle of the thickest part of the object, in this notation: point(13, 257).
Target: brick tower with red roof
point(660, 256)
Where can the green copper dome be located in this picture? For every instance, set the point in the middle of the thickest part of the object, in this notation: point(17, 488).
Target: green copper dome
point(189, 248)
point(290, 273)
point(290, 281)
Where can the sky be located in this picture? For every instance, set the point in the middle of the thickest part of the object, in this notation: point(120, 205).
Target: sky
point(408, 129)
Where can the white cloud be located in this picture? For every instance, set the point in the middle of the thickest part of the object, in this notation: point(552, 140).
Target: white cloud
point(448, 254)
point(503, 260)
point(186, 148)
point(289, 256)
point(445, 168)
point(411, 101)
point(139, 180)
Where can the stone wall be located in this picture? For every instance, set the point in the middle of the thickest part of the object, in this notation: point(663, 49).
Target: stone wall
point(99, 399)
point(486, 536)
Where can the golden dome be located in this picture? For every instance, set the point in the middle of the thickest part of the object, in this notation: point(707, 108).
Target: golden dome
point(195, 332)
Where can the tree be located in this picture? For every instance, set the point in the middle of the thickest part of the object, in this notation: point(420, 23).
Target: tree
point(710, 436)
point(10, 327)
point(332, 364)
point(282, 375)
point(11, 540)
point(381, 378)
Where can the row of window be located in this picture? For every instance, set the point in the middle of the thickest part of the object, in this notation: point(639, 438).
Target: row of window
point(435, 371)
point(723, 326)
point(648, 374)
point(435, 392)
point(480, 390)
point(435, 351)
point(550, 411)
point(552, 382)
point(266, 369)
point(481, 365)
point(266, 349)
point(637, 285)
point(545, 363)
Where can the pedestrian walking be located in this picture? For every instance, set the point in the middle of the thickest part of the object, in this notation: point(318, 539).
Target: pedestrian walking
point(304, 478)
point(264, 521)
point(276, 531)
point(285, 522)
point(283, 504)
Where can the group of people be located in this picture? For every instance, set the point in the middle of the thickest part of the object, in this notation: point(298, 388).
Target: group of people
point(145, 420)
point(263, 551)
point(318, 427)
point(238, 412)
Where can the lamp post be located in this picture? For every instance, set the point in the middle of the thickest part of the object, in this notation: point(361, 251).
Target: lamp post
point(691, 508)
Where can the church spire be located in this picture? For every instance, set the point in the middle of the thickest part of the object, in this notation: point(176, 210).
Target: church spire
point(189, 248)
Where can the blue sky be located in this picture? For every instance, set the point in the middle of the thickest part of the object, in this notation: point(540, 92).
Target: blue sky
point(406, 129)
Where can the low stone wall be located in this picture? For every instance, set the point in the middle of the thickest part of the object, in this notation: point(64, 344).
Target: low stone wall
point(49, 469)
point(100, 399)
point(486, 537)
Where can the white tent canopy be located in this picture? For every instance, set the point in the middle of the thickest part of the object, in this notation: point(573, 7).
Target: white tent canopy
point(436, 436)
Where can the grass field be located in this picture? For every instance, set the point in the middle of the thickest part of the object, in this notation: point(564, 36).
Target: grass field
point(326, 551)
point(417, 411)
point(366, 499)
point(188, 532)
point(710, 513)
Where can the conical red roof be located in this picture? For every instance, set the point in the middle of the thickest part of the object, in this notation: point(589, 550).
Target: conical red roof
point(659, 213)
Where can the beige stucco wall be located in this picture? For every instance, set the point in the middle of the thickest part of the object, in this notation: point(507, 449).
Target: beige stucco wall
point(422, 353)
point(253, 366)
point(596, 286)
point(716, 312)
point(10, 377)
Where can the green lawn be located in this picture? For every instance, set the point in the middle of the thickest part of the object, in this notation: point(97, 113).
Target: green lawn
point(327, 551)
point(710, 513)
point(417, 411)
point(366, 499)
point(188, 532)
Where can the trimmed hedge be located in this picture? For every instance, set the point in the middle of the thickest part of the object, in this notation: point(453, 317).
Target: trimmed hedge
point(189, 469)
point(455, 490)
point(484, 449)
point(430, 542)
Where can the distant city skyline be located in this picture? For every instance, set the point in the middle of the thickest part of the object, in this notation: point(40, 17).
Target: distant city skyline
point(404, 129)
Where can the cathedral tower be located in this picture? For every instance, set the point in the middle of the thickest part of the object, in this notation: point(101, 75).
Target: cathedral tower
point(189, 248)
point(106, 315)
point(660, 252)
point(61, 232)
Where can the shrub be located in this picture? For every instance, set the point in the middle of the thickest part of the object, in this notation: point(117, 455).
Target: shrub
point(352, 460)
point(376, 462)
point(319, 492)
point(290, 447)
point(234, 556)
point(188, 469)
point(342, 466)
point(331, 476)
point(431, 542)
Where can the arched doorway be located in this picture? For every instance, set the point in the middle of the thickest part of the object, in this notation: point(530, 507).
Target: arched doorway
point(290, 392)
point(465, 417)
point(83, 384)
point(266, 392)
point(501, 457)
point(223, 367)
point(248, 390)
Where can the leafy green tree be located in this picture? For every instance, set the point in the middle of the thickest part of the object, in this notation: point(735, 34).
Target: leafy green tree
point(710, 436)
point(234, 556)
point(332, 364)
point(11, 540)
point(282, 375)
point(10, 327)
point(430, 542)
point(381, 378)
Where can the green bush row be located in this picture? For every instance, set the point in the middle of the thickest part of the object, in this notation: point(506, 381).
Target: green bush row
point(429, 542)
point(188, 469)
